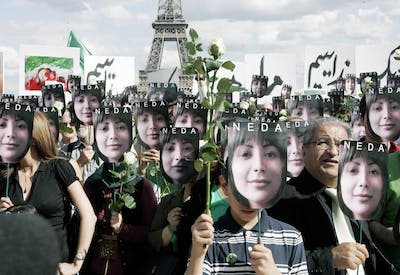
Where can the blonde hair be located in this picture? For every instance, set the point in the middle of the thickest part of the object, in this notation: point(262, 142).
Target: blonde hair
point(42, 138)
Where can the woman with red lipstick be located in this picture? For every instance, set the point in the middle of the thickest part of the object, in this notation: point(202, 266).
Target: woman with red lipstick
point(363, 182)
point(15, 133)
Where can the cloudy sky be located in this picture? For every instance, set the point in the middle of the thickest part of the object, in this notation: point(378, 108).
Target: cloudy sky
point(123, 27)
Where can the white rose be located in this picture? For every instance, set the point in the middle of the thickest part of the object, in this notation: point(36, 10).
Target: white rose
point(220, 44)
point(397, 54)
point(202, 142)
point(283, 112)
point(282, 118)
point(252, 100)
point(368, 80)
point(244, 105)
point(130, 158)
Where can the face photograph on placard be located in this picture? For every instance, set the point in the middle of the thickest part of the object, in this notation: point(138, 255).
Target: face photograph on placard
point(16, 124)
point(150, 118)
point(369, 82)
point(350, 84)
point(73, 83)
point(295, 133)
point(259, 85)
point(286, 91)
point(129, 95)
point(52, 94)
point(52, 116)
point(255, 159)
point(363, 179)
point(357, 127)
point(308, 107)
point(393, 83)
point(112, 133)
point(163, 92)
point(340, 83)
point(32, 101)
point(85, 100)
point(179, 150)
point(191, 115)
point(383, 115)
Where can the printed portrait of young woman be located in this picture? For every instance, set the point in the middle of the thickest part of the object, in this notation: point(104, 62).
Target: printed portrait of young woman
point(255, 159)
point(16, 124)
point(112, 133)
point(85, 100)
point(179, 149)
point(363, 179)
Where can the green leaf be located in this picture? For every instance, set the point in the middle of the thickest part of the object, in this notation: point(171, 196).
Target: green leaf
point(210, 145)
point(191, 48)
point(152, 172)
point(228, 65)
point(218, 104)
point(129, 188)
point(213, 79)
point(198, 66)
point(212, 65)
point(198, 165)
point(65, 129)
point(199, 47)
point(234, 88)
point(209, 154)
point(224, 85)
point(222, 130)
point(193, 35)
point(205, 104)
point(115, 174)
point(129, 201)
point(213, 51)
point(188, 69)
point(227, 105)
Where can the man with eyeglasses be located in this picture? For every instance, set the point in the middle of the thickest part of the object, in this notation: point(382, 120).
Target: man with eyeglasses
point(308, 204)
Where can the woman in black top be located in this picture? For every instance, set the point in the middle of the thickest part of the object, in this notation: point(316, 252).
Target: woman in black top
point(41, 179)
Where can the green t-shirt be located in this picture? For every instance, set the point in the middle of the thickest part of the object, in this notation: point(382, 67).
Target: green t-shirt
point(218, 204)
point(392, 204)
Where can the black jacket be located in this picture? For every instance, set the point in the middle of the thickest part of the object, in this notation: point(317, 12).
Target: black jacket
point(305, 206)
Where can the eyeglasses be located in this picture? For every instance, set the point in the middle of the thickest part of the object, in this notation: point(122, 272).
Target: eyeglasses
point(323, 143)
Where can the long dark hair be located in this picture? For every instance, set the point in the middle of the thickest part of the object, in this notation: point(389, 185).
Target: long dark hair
point(378, 158)
point(239, 137)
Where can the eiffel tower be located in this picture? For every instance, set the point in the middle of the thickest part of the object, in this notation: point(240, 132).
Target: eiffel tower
point(169, 26)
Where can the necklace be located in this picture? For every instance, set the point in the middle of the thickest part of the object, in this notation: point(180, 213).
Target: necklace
point(25, 181)
point(27, 177)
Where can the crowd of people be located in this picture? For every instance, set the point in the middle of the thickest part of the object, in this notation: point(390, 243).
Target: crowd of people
point(112, 185)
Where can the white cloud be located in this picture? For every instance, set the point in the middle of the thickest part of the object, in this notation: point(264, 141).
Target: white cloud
point(123, 27)
point(116, 12)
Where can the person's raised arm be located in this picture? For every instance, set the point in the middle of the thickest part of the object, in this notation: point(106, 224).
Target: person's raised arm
point(202, 236)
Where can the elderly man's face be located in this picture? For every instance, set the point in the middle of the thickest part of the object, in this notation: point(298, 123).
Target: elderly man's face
point(321, 155)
